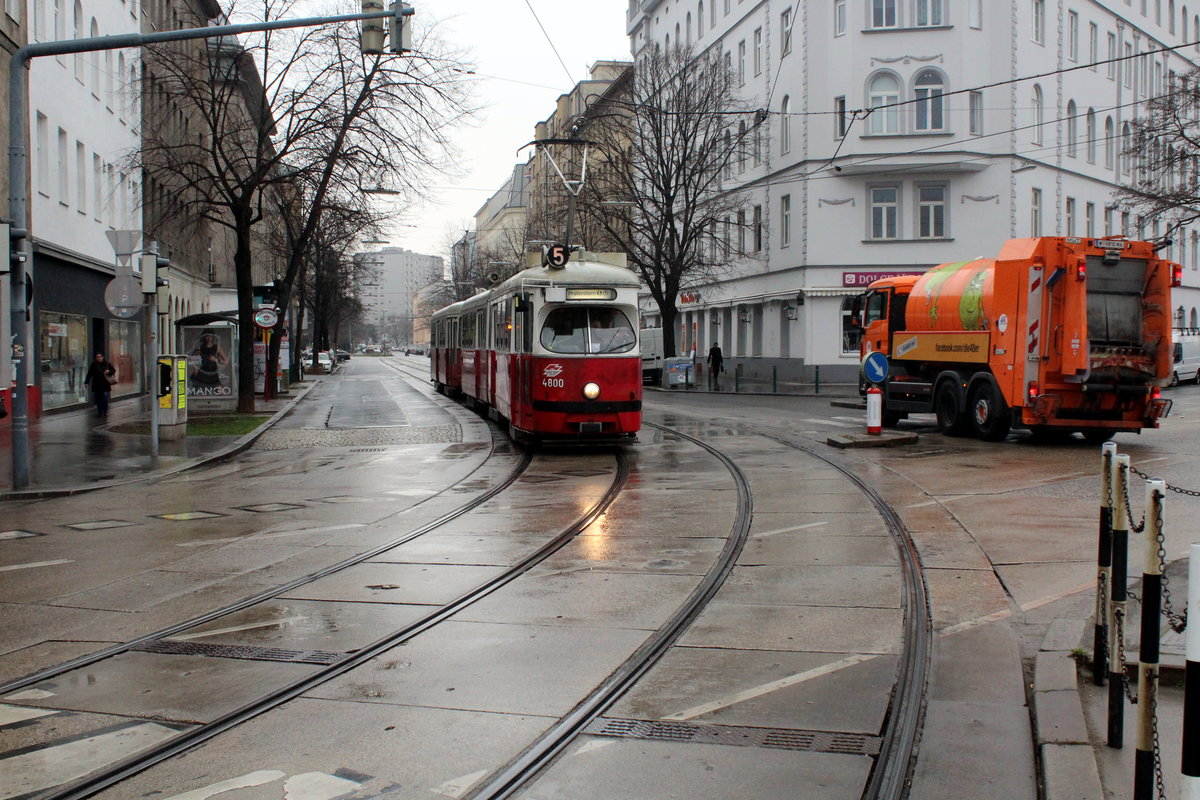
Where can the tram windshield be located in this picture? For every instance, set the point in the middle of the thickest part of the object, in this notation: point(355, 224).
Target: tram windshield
point(587, 329)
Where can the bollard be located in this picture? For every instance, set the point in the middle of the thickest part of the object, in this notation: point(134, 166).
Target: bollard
point(817, 379)
point(774, 382)
point(1144, 757)
point(874, 411)
point(1191, 685)
point(1117, 595)
point(1103, 565)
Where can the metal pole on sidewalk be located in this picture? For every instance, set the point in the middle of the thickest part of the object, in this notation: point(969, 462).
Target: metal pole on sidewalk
point(1191, 685)
point(1117, 593)
point(1103, 565)
point(1144, 759)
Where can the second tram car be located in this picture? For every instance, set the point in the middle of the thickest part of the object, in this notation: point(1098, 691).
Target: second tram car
point(553, 352)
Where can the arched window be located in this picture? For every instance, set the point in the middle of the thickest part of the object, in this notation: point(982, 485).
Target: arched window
point(930, 111)
point(1109, 133)
point(1037, 114)
point(700, 20)
point(678, 38)
point(78, 34)
point(1072, 129)
point(121, 88)
point(741, 147)
point(60, 21)
point(1126, 148)
point(1091, 136)
point(39, 19)
point(882, 96)
point(728, 155)
point(1171, 17)
point(94, 57)
point(785, 125)
point(1193, 318)
point(109, 100)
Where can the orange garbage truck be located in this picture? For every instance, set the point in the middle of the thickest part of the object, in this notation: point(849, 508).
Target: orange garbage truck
point(1055, 334)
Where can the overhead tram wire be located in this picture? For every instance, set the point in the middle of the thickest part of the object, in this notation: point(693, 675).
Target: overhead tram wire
point(570, 78)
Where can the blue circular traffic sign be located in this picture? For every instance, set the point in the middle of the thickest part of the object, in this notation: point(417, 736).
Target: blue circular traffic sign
point(875, 367)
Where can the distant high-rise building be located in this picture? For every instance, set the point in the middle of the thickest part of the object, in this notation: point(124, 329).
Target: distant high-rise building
point(388, 299)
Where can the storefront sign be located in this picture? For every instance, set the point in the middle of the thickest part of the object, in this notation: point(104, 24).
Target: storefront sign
point(864, 279)
point(689, 298)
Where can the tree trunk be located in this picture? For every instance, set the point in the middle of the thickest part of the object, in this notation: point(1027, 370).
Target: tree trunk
point(669, 316)
point(242, 261)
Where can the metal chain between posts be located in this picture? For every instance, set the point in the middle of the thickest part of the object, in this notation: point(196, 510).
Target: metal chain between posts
point(1178, 622)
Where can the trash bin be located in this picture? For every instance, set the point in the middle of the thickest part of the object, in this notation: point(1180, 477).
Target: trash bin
point(678, 371)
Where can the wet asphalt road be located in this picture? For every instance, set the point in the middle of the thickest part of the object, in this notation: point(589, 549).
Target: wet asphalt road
point(803, 637)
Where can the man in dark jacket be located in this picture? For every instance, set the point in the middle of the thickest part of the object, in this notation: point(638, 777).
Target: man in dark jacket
point(101, 375)
point(715, 360)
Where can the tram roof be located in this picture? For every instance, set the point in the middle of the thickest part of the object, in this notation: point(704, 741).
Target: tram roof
point(575, 273)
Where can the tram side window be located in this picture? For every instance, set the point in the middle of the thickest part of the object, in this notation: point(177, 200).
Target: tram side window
point(501, 326)
point(466, 332)
point(481, 328)
point(587, 329)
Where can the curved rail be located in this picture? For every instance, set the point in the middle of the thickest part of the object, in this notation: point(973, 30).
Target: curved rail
point(906, 712)
point(509, 778)
point(129, 767)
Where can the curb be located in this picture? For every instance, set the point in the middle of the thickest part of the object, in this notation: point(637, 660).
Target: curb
point(239, 446)
point(1068, 760)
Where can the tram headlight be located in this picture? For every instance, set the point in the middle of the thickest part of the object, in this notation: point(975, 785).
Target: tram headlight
point(591, 390)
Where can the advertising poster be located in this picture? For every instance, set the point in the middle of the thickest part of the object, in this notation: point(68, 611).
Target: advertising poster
point(211, 383)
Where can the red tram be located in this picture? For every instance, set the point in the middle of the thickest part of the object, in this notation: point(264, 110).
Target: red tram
point(553, 352)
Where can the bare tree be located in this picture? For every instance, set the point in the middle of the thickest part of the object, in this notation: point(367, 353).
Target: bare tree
point(294, 124)
point(1162, 154)
point(662, 188)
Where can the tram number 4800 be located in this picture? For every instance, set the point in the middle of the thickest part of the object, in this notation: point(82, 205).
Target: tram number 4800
point(554, 383)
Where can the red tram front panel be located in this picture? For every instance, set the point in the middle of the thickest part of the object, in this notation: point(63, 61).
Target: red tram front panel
point(554, 402)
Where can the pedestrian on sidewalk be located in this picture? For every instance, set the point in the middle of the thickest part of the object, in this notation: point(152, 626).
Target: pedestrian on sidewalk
point(715, 366)
point(101, 376)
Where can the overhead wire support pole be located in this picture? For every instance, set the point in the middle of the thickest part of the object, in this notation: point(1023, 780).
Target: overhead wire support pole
point(18, 163)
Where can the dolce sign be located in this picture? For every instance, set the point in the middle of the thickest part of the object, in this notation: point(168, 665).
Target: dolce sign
point(864, 279)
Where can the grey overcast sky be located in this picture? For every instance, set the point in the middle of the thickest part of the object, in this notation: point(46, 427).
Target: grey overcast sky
point(519, 80)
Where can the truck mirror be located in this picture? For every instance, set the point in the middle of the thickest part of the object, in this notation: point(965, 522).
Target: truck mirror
point(856, 311)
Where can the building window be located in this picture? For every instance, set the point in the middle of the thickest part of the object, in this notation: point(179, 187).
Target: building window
point(785, 125)
point(741, 147)
point(758, 51)
point(1127, 66)
point(930, 12)
point(741, 232)
point(43, 153)
point(1038, 111)
point(785, 220)
point(785, 25)
point(80, 177)
point(1089, 219)
point(883, 13)
point(930, 103)
point(758, 229)
point(1091, 136)
point(931, 212)
point(1108, 220)
point(64, 172)
point(700, 21)
point(1073, 35)
point(1072, 129)
point(1093, 45)
point(851, 333)
point(1126, 148)
point(1070, 216)
point(975, 14)
point(885, 211)
point(839, 17)
point(975, 104)
point(884, 94)
point(1112, 55)
point(1109, 135)
point(1038, 21)
point(840, 120)
point(741, 62)
point(1035, 213)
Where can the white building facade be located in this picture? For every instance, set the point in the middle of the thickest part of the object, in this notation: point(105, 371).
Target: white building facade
point(902, 134)
point(400, 275)
point(84, 117)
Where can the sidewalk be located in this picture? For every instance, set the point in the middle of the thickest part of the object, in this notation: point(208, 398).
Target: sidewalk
point(77, 451)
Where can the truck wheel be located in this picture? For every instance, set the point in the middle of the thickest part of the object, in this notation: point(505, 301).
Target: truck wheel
point(990, 417)
point(1097, 435)
point(951, 420)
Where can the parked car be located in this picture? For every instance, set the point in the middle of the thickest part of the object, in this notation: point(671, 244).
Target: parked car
point(325, 361)
point(342, 355)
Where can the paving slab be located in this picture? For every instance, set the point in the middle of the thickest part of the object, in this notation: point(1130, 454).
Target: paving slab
point(621, 769)
point(976, 750)
point(957, 596)
point(978, 665)
point(371, 582)
point(857, 587)
point(796, 628)
point(1071, 773)
point(659, 554)
point(816, 547)
point(1060, 718)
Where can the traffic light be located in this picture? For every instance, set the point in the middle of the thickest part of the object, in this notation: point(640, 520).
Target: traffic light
point(372, 29)
point(401, 37)
point(151, 264)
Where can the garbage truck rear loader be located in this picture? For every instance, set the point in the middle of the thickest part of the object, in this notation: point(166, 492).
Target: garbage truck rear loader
point(1055, 334)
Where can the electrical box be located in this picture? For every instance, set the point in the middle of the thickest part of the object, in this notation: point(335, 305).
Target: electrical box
point(171, 388)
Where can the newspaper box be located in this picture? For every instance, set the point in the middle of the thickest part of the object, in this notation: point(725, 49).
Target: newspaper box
point(678, 371)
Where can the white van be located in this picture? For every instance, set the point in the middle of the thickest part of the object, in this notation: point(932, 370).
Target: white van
point(652, 355)
point(1187, 356)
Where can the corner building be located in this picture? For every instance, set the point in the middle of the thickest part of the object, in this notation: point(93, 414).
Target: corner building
point(901, 134)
